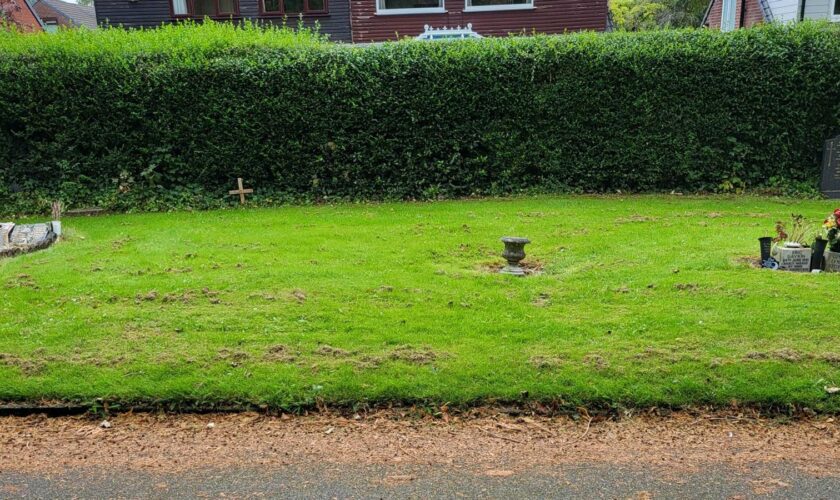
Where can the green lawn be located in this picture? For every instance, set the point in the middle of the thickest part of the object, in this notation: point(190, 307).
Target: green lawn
point(640, 301)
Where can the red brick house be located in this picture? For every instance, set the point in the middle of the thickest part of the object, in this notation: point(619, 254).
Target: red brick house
point(380, 20)
point(21, 14)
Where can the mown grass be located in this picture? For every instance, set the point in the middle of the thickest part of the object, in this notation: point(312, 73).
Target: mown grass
point(641, 301)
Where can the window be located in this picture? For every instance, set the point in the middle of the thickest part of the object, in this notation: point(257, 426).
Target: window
point(835, 11)
point(727, 15)
point(292, 7)
point(409, 6)
point(202, 8)
point(479, 5)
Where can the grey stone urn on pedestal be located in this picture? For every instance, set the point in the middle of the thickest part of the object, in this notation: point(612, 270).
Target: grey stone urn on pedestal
point(513, 254)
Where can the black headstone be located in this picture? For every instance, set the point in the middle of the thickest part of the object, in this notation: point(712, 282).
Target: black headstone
point(831, 168)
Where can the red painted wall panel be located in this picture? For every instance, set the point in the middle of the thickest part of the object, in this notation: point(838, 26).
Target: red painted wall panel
point(753, 16)
point(547, 16)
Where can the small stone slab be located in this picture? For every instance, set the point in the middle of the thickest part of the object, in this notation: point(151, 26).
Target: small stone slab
point(22, 238)
point(832, 262)
point(5, 230)
point(794, 259)
point(79, 212)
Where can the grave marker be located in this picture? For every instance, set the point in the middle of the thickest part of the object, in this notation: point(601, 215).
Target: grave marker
point(831, 168)
point(241, 191)
point(794, 259)
point(22, 238)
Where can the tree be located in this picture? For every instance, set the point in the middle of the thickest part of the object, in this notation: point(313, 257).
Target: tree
point(637, 15)
point(85, 2)
point(684, 13)
point(7, 10)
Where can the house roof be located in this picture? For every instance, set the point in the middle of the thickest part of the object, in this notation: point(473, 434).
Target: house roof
point(79, 15)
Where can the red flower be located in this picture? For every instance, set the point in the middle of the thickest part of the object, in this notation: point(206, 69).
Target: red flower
point(837, 214)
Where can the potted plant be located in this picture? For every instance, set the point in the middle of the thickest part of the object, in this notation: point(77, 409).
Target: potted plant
point(792, 248)
point(832, 234)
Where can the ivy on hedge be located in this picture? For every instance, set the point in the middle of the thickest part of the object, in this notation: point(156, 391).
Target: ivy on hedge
point(171, 117)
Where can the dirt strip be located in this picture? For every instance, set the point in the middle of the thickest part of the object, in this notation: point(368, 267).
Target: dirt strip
point(679, 442)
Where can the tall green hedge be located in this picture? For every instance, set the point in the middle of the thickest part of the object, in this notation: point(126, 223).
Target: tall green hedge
point(171, 117)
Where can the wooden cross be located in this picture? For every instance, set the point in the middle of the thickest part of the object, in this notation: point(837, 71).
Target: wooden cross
point(241, 191)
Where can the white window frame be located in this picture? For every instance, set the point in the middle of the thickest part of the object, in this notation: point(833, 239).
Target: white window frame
point(380, 11)
point(489, 8)
point(728, 9)
point(835, 18)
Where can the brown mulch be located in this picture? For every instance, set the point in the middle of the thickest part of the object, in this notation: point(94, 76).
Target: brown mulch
point(680, 442)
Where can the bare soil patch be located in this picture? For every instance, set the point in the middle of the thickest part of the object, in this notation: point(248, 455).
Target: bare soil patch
point(417, 356)
point(330, 351)
point(750, 261)
point(280, 354)
point(529, 265)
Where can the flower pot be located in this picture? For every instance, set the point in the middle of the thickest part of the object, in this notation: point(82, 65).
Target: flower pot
point(817, 252)
point(832, 262)
point(794, 259)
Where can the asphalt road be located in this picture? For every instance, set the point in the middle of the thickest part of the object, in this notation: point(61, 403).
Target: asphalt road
point(331, 481)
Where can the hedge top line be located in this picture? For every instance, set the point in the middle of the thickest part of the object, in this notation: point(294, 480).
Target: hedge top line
point(213, 39)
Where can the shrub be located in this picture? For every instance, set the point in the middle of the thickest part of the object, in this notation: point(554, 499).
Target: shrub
point(170, 117)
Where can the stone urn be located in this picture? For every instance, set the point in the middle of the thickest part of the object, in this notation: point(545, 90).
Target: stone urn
point(832, 262)
point(513, 254)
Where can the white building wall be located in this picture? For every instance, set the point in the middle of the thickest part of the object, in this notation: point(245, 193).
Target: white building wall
point(817, 9)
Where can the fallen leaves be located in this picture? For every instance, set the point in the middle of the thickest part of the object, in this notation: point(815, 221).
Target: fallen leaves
point(767, 486)
point(399, 479)
point(498, 473)
point(481, 439)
